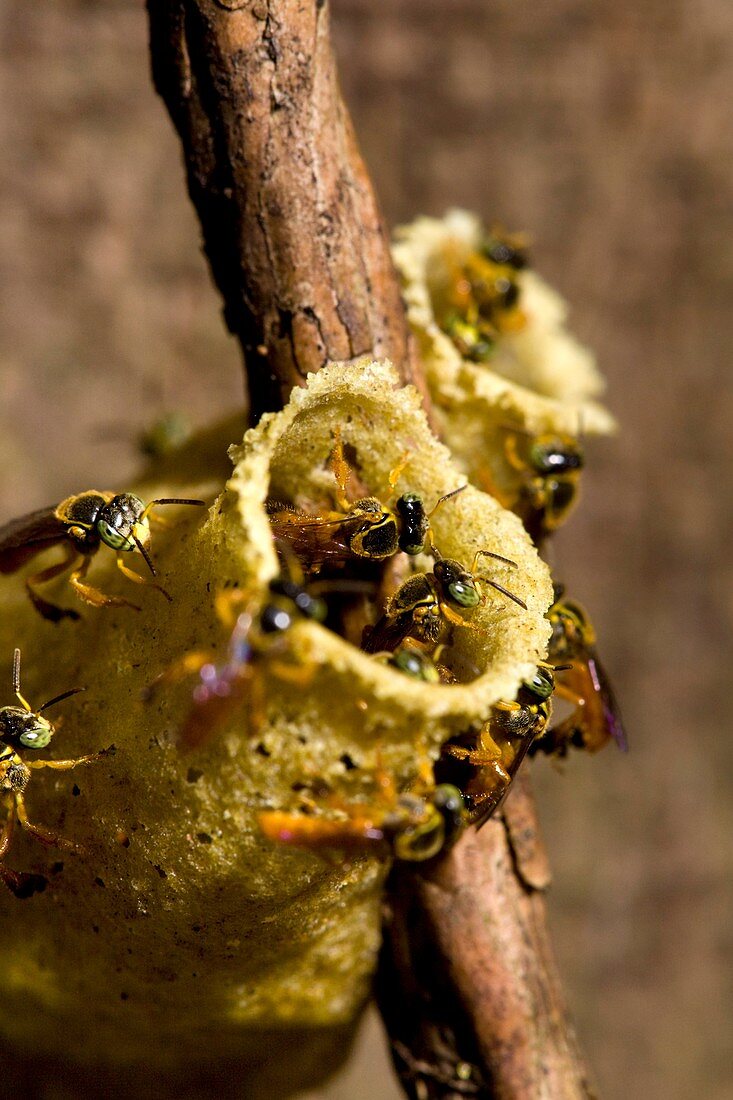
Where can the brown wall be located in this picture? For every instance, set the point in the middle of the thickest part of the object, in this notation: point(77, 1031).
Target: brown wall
point(606, 130)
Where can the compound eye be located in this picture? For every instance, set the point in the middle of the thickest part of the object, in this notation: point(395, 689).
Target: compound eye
point(465, 595)
point(113, 538)
point(415, 664)
point(542, 684)
point(542, 458)
point(36, 738)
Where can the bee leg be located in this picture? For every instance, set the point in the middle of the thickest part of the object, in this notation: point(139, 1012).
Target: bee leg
point(453, 617)
point(66, 765)
point(301, 675)
point(133, 576)
point(488, 485)
point(51, 611)
point(227, 604)
point(394, 474)
point(511, 452)
point(46, 836)
point(6, 835)
point(340, 470)
point(564, 692)
point(160, 521)
point(91, 595)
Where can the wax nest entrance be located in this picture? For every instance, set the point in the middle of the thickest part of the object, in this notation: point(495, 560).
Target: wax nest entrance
point(538, 378)
point(178, 899)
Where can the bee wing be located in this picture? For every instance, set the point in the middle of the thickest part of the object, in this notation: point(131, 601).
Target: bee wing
point(387, 633)
point(487, 807)
point(598, 719)
point(611, 709)
point(21, 539)
point(314, 539)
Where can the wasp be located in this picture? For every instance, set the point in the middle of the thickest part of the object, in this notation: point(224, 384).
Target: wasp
point(596, 717)
point(426, 605)
point(257, 635)
point(83, 522)
point(23, 729)
point(409, 827)
point(365, 528)
point(501, 744)
point(482, 299)
point(549, 465)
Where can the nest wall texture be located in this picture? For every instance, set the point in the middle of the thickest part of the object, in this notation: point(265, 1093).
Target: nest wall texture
point(177, 899)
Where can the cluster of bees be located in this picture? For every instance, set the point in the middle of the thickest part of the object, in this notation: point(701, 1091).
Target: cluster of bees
point(482, 299)
point(351, 547)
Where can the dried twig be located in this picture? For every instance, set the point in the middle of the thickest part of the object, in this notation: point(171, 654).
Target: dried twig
point(300, 255)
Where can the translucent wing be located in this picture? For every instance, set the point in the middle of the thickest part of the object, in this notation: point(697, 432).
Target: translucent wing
point(21, 539)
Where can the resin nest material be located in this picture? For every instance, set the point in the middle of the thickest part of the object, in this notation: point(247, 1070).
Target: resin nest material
point(539, 379)
point(178, 920)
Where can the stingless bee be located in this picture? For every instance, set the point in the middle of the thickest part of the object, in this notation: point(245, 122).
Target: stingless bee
point(596, 717)
point(365, 528)
point(506, 249)
point(22, 730)
point(409, 827)
point(482, 298)
point(82, 522)
point(495, 753)
point(426, 605)
point(257, 635)
point(549, 465)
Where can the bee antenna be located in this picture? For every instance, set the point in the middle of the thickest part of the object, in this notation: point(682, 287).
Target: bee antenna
point(177, 500)
point(144, 553)
point(504, 591)
point(59, 698)
point(561, 668)
point(16, 671)
point(446, 496)
point(497, 557)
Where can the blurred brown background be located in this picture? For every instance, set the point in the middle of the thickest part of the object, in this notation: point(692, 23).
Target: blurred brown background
point(606, 130)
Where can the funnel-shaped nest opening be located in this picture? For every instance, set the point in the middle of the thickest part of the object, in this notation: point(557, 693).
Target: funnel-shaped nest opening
point(536, 377)
point(287, 459)
point(178, 898)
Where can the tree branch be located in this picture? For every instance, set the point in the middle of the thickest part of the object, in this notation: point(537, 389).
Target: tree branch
point(467, 985)
point(291, 226)
point(300, 254)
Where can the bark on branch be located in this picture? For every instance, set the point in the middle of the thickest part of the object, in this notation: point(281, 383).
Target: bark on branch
point(291, 226)
point(468, 986)
point(300, 254)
